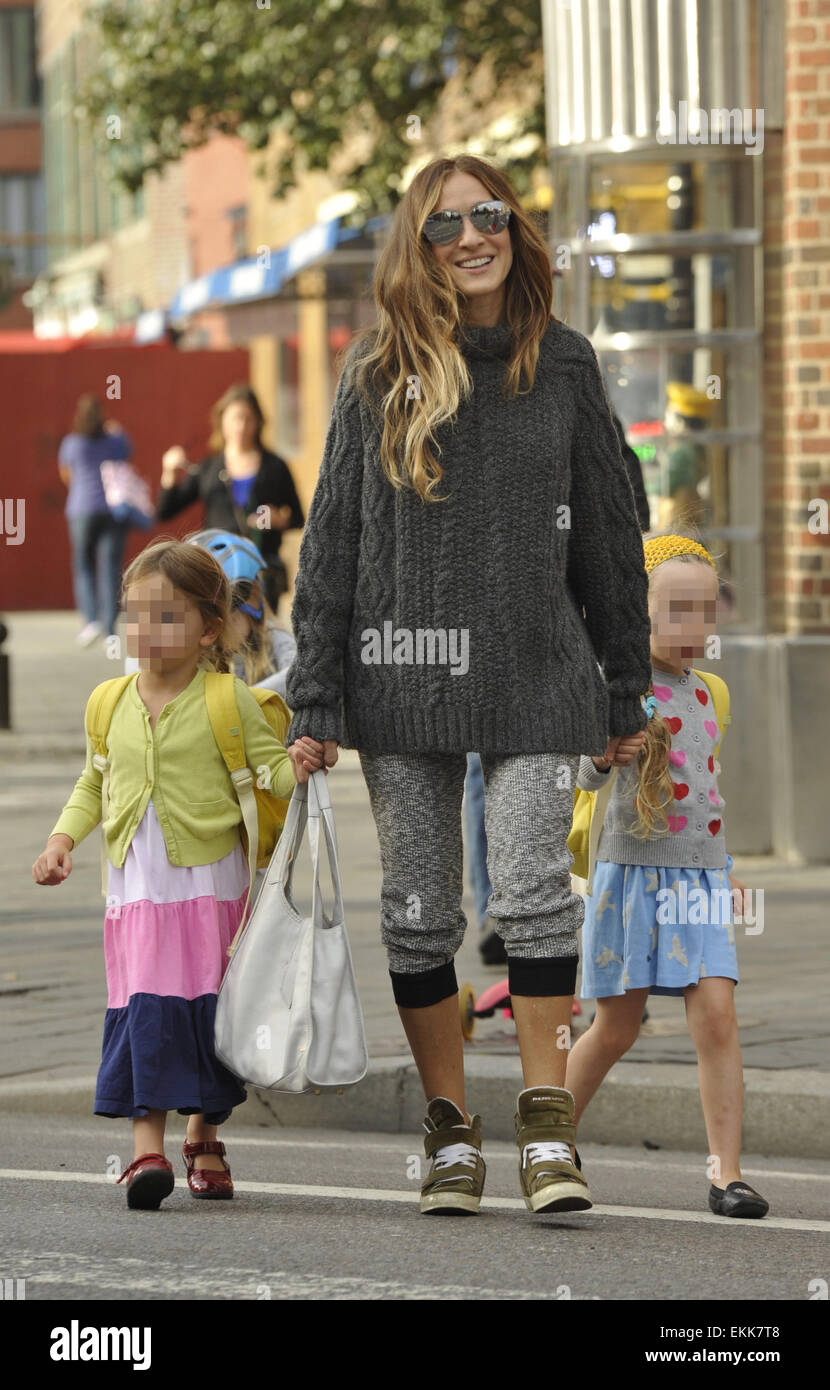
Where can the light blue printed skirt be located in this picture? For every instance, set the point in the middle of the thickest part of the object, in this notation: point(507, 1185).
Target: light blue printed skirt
point(656, 928)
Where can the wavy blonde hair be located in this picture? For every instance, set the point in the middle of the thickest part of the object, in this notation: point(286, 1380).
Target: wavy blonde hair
point(255, 651)
point(420, 323)
point(195, 573)
point(655, 788)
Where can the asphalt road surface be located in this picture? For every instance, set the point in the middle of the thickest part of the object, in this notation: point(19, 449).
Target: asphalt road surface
point(334, 1216)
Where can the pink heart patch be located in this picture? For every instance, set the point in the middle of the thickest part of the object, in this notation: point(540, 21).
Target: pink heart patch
point(663, 692)
point(677, 823)
point(713, 796)
point(711, 727)
point(677, 757)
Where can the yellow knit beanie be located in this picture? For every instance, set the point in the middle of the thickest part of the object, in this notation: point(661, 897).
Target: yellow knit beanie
point(662, 548)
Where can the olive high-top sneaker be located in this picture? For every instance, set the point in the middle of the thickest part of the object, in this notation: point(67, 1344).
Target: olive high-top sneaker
point(455, 1181)
point(550, 1180)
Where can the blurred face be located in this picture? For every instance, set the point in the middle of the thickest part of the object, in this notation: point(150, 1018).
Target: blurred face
point(239, 425)
point(239, 625)
point(478, 262)
point(683, 607)
point(164, 628)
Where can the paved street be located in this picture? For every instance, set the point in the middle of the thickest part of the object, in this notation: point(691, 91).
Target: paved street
point(335, 1217)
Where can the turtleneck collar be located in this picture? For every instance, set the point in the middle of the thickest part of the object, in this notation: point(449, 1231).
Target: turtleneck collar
point(489, 342)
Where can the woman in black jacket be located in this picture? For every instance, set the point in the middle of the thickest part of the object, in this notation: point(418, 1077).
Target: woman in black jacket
point(245, 487)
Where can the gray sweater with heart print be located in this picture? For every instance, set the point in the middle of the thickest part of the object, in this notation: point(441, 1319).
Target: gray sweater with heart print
point(510, 618)
point(694, 837)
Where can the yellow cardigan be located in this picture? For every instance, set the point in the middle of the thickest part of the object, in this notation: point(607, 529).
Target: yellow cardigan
point(179, 765)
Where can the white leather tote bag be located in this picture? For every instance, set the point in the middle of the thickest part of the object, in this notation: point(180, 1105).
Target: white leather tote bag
point(288, 1016)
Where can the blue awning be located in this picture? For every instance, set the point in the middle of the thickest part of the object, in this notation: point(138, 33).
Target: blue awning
point(261, 277)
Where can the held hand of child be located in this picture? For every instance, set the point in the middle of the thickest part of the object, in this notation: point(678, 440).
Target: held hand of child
point(623, 750)
point(307, 756)
point(55, 863)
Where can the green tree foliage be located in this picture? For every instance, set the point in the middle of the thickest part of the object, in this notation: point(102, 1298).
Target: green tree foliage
point(321, 71)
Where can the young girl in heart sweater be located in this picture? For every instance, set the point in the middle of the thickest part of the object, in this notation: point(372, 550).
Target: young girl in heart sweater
point(658, 917)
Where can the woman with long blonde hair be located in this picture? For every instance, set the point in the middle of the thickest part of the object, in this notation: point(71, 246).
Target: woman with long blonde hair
point(471, 578)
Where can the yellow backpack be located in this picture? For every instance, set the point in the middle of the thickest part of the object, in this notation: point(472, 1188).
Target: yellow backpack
point(263, 815)
point(585, 802)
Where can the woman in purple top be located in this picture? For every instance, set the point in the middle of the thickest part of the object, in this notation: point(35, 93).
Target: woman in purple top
point(97, 540)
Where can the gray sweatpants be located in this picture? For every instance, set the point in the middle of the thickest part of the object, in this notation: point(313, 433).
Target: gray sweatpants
point(416, 804)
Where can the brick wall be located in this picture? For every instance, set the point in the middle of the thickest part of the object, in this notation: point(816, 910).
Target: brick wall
point(797, 329)
point(216, 179)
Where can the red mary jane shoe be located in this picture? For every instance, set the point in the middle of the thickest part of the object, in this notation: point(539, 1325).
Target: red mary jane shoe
point(150, 1178)
point(207, 1182)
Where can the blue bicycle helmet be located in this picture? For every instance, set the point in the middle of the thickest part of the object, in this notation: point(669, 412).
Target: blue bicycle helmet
point(240, 560)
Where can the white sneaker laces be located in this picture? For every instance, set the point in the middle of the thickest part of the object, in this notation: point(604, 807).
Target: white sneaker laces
point(546, 1150)
point(455, 1153)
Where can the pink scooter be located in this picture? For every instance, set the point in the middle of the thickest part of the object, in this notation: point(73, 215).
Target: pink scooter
point(494, 997)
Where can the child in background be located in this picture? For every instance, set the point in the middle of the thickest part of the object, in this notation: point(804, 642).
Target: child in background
point(263, 651)
point(631, 944)
point(260, 651)
point(177, 872)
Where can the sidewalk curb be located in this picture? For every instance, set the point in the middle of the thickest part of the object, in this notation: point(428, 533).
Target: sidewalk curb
point(786, 1112)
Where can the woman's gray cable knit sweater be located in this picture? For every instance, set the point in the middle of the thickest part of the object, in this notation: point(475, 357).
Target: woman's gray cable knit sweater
point(477, 624)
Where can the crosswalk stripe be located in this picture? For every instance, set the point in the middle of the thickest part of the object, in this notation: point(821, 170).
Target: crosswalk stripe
point(156, 1278)
point(379, 1194)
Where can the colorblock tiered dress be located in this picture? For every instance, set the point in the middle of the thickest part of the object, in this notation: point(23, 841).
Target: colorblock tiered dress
point(166, 933)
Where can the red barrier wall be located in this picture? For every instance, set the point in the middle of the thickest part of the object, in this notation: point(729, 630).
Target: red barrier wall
point(166, 397)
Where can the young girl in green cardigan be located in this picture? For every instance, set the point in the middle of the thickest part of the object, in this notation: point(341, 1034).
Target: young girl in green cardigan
point(177, 871)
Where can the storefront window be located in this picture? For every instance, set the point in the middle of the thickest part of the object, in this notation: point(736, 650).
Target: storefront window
point(661, 269)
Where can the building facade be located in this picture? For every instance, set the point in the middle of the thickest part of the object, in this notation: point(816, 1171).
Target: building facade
point(22, 213)
point(689, 147)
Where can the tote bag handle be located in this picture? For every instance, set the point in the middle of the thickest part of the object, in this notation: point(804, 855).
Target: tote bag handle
point(321, 816)
point(281, 866)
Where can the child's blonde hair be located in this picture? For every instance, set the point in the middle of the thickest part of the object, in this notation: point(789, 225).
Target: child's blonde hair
point(255, 651)
point(196, 574)
point(655, 788)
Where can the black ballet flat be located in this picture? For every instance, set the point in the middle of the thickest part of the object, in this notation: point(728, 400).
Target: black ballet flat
point(737, 1199)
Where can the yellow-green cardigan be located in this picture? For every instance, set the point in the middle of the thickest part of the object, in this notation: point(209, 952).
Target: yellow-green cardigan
point(179, 765)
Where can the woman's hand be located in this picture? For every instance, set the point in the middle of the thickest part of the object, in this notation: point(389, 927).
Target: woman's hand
point(172, 460)
point(308, 755)
point(621, 751)
point(55, 863)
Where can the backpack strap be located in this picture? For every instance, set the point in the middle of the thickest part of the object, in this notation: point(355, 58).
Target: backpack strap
point(719, 691)
point(226, 724)
point(280, 711)
point(99, 712)
point(601, 801)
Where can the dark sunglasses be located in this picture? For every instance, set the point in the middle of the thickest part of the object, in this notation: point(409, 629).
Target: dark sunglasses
point(442, 228)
